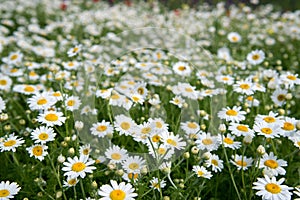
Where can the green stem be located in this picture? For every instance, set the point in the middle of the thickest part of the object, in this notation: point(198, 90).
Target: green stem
point(82, 189)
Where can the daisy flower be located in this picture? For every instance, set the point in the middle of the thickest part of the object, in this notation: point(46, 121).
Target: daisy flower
point(85, 149)
point(190, 127)
point(124, 124)
point(116, 154)
point(232, 114)
point(57, 95)
point(271, 189)
point(270, 118)
point(70, 182)
point(5, 82)
point(296, 141)
point(156, 184)
point(178, 101)
point(224, 53)
point(158, 124)
point(272, 164)
point(241, 162)
point(215, 162)
point(202, 172)
point(13, 58)
point(160, 151)
point(173, 141)
point(74, 51)
point(10, 143)
point(137, 98)
point(38, 151)
point(290, 80)
point(225, 79)
point(289, 127)
point(117, 191)
point(267, 130)
point(278, 96)
point(133, 164)
point(182, 69)
point(43, 135)
point(234, 37)
point(104, 93)
point(52, 118)
point(297, 191)
point(78, 166)
point(8, 190)
point(41, 101)
point(25, 89)
point(71, 65)
point(256, 57)
point(186, 90)
point(72, 103)
point(244, 87)
point(2, 105)
point(207, 142)
point(102, 128)
point(240, 129)
point(229, 142)
point(129, 177)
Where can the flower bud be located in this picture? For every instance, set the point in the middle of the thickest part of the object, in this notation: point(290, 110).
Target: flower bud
point(79, 125)
point(222, 128)
point(194, 150)
point(61, 158)
point(261, 150)
point(247, 139)
point(71, 151)
point(186, 155)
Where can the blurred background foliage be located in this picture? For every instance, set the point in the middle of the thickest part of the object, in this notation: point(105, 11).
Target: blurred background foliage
point(284, 5)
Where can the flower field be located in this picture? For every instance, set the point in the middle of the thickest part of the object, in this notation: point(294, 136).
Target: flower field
point(136, 101)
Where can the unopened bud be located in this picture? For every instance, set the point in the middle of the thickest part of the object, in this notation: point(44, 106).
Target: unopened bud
point(58, 194)
point(120, 172)
point(71, 151)
point(222, 128)
point(61, 158)
point(79, 125)
point(194, 150)
point(247, 139)
point(261, 150)
point(186, 155)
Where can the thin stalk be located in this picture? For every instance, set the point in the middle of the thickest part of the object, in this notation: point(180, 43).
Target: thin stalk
point(82, 189)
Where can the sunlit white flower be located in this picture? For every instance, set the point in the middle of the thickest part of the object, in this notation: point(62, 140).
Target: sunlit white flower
point(102, 128)
point(272, 164)
point(174, 141)
point(43, 134)
point(133, 164)
point(202, 172)
point(116, 154)
point(13, 58)
point(240, 129)
point(190, 127)
point(5, 82)
point(229, 142)
point(215, 162)
point(234, 37)
point(182, 69)
point(70, 182)
point(51, 118)
point(279, 96)
point(117, 191)
point(41, 101)
point(178, 101)
point(74, 50)
point(267, 130)
point(76, 167)
point(290, 80)
point(72, 103)
point(10, 143)
point(2, 105)
point(256, 57)
point(8, 190)
point(38, 151)
point(244, 87)
point(124, 124)
point(157, 184)
point(241, 162)
point(206, 141)
point(232, 114)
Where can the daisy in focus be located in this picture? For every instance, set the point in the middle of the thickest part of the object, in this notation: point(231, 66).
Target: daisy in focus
point(272, 164)
point(8, 190)
point(76, 167)
point(256, 57)
point(52, 118)
point(10, 143)
point(102, 128)
point(202, 172)
point(116, 191)
point(241, 162)
point(182, 69)
point(232, 114)
point(43, 135)
point(38, 151)
point(156, 184)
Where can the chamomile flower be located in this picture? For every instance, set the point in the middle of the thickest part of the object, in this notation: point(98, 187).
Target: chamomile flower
point(13, 58)
point(241, 162)
point(178, 101)
point(133, 164)
point(270, 118)
point(116, 191)
point(51, 118)
point(85, 149)
point(43, 135)
point(186, 90)
point(26, 89)
point(131, 177)
point(182, 69)
point(271, 189)
point(74, 50)
point(240, 129)
point(104, 93)
point(41, 101)
point(70, 182)
point(10, 143)
point(225, 79)
point(5, 82)
point(124, 124)
point(173, 141)
point(2, 105)
point(272, 164)
point(234, 37)
point(215, 162)
point(229, 142)
point(267, 130)
point(71, 65)
point(256, 57)
point(290, 80)
point(76, 167)
point(206, 141)
point(279, 96)
point(190, 127)
point(116, 154)
point(38, 151)
point(289, 126)
point(8, 190)
point(157, 184)
point(202, 172)
point(137, 98)
point(244, 87)
point(57, 95)
point(232, 114)
point(296, 141)
point(72, 103)
point(102, 128)
point(158, 124)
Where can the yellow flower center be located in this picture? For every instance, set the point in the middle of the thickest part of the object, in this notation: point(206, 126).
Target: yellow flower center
point(242, 128)
point(271, 163)
point(245, 86)
point(155, 138)
point(158, 55)
point(72, 181)
point(86, 151)
point(51, 117)
point(207, 141)
point(192, 125)
point(158, 125)
point(231, 113)
point(171, 142)
point(189, 89)
point(249, 98)
point(135, 98)
point(133, 166)
point(269, 119)
point(146, 130)
point(200, 173)
point(225, 79)
point(161, 151)
point(241, 163)
point(10, 143)
point(78, 167)
point(273, 188)
point(214, 162)
point(3, 82)
point(181, 68)
point(141, 91)
point(101, 128)
point(37, 150)
point(115, 96)
point(14, 70)
point(117, 195)
point(29, 89)
point(132, 176)
point(255, 57)
point(287, 126)
point(71, 103)
point(70, 64)
point(228, 141)
point(42, 101)
point(267, 131)
point(75, 49)
point(116, 156)
point(32, 73)
point(4, 193)
point(291, 77)
point(14, 57)
point(43, 136)
point(281, 97)
point(234, 39)
point(56, 94)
